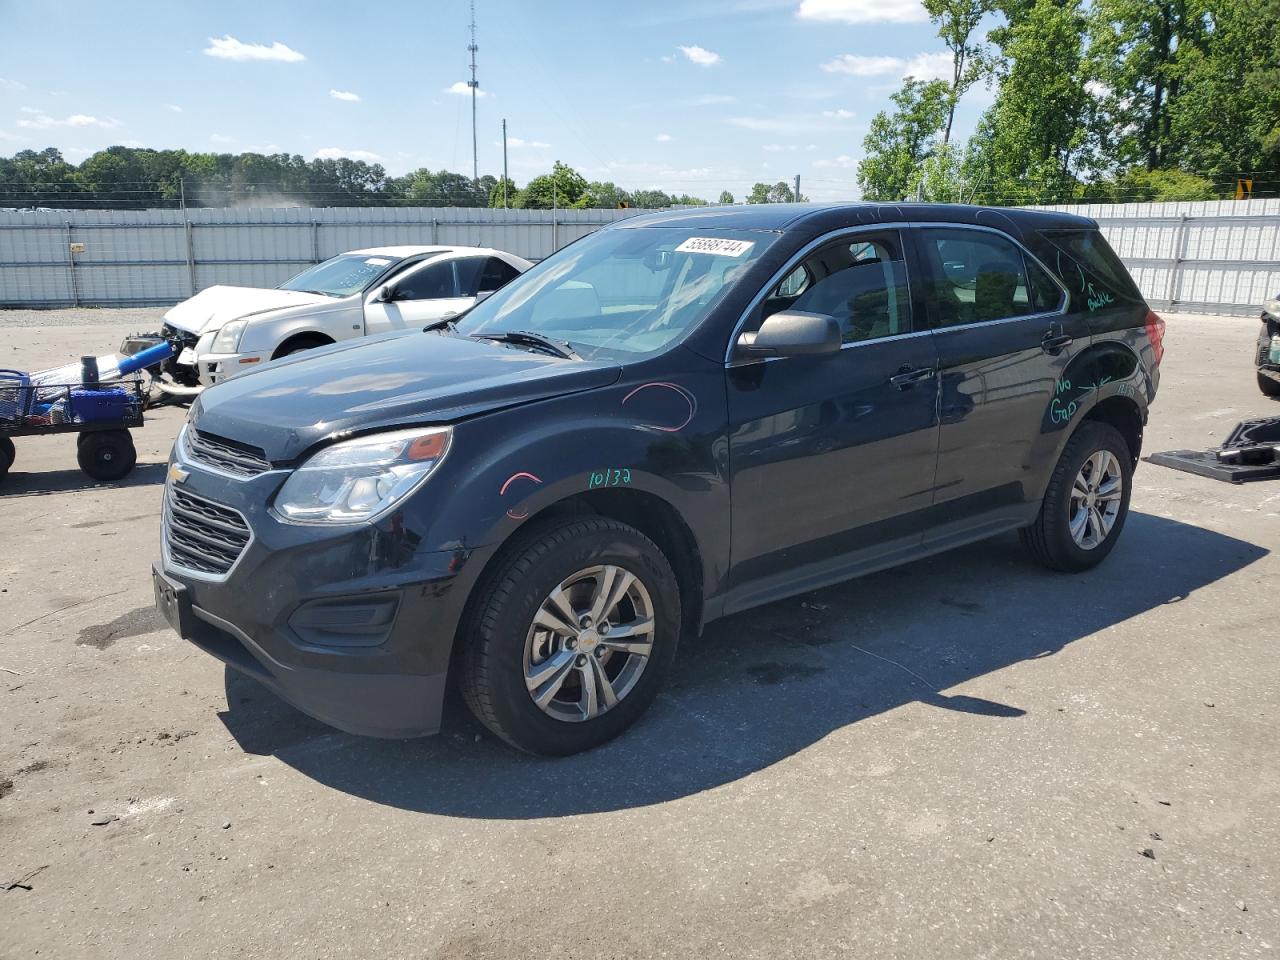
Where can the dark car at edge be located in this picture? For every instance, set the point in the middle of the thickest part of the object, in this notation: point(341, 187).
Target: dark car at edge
point(680, 417)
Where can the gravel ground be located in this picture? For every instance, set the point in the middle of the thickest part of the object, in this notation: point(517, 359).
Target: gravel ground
point(136, 319)
point(965, 757)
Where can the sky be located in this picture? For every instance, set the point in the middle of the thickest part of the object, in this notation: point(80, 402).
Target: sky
point(692, 96)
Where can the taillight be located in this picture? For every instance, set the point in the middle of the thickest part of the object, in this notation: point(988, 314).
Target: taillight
point(1155, 333)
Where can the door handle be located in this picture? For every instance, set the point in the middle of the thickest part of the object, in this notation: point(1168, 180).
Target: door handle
point(905, 377)
point(1055, 342)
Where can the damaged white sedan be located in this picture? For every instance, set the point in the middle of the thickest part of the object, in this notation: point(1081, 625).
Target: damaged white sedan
point(223, 330)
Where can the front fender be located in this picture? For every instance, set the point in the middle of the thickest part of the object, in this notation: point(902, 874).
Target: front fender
point(265, 332)
point(665, 439)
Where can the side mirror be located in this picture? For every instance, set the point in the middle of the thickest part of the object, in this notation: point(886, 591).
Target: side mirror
point(385, 294)
point(793, 333)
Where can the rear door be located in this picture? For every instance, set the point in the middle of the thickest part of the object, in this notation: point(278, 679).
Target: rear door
point(832, 457)
point(1003, 341)
point(420, 294)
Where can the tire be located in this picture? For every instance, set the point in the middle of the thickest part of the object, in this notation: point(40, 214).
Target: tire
point(7, 455)
point(501, 644)
point(106, 455)
point(1050, 539)
point(1269, 387)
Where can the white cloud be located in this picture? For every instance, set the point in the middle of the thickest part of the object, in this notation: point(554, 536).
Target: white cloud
point(229, 48)
point(461, 89)
point(663, 138)
point(838, 114)
point(923, 66)
point(39, 120)
point(11, 84)
point(775, 148)
point(220, 138)
point(857, 66)
point(811, 147)
point(862, 11)
point(794, 124)
point(929, 66)
point(517, 143)
point(711, 100)
point(134, 144)
point(346, 95)
point(173, 107)
point(844, 161)
point(337, 153)
point(700, 56)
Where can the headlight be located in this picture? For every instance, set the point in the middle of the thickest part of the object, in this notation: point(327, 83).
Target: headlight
point(358, 479)
point(228, 338)
point(1272, 307)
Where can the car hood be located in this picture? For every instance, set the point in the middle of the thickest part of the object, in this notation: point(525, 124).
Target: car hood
point(210, 309)
point(397, 379)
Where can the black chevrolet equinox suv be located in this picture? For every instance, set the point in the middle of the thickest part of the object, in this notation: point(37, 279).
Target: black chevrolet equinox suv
point(682, 416)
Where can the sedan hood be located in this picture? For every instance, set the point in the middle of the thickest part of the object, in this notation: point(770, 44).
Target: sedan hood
point(399, 379)
point(210, 309)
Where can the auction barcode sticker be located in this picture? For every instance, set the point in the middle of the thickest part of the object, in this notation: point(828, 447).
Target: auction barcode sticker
point(717, 245)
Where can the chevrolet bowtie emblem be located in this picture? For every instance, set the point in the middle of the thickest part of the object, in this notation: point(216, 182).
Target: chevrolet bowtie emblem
point(178, 474)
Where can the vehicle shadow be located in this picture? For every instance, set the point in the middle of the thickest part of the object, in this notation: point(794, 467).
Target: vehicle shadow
point(19, 483)
point(761, 686)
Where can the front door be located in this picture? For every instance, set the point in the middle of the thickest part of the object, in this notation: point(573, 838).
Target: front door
point(419, 295)
point(832, 458)
point(1003, 342)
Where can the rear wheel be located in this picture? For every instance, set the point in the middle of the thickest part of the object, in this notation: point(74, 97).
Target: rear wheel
point(572, 637)
point(1086, 503)
point(106, 455)
point(7, 455)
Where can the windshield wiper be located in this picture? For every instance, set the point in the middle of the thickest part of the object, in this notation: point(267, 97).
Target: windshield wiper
point(448, 324)
point(527, 338)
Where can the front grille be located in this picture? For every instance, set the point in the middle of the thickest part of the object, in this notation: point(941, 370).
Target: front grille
point(237, 459)
point(187, 338)
point(201, 535)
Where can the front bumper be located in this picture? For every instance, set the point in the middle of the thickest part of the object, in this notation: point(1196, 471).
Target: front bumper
point(213, 368)
point(352, 625)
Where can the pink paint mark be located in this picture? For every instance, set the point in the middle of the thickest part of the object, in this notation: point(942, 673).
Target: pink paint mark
point(688, 397)
point(513, 478)
point(522, 475)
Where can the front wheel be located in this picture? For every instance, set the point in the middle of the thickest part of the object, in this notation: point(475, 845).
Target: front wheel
point(1086, 503)
point(572, 636)
point(8, 454)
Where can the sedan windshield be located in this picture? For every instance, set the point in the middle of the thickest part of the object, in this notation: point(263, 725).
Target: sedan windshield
point(342, 276)
point(622, 290)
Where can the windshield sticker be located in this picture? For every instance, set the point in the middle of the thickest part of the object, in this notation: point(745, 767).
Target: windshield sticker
point(377, 261)
point(716, 245)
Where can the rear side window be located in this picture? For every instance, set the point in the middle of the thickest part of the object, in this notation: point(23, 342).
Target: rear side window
point(1089, 267)
point(497, 273)
point(432, 282)
point(976, 276)
point(863, 284)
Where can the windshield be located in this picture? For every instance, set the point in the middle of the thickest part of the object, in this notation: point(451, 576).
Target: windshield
point(342, 276)
point(630, 291)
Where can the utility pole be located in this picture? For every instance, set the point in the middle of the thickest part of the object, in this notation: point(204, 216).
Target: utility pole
point(797, 188)
point(474, 84)
point(504, 163)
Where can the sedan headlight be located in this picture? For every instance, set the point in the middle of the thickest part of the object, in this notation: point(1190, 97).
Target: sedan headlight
point(356, 480)
point(228, 338)
point(1272, 307)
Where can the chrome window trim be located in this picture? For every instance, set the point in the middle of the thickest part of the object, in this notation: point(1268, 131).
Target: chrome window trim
point(798, 258)
point(808, 248)
point(171, 564)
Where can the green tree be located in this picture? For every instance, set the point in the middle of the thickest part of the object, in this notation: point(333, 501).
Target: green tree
point(1033, 143)
point(606, 194)
point(726, 197)
point(759, 193)
point(956, 21)
point(562, 187)
point(897, 143)
point(500, 198)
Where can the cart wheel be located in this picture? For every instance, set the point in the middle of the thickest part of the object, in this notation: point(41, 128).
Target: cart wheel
point(106, 454)
point(7, 455)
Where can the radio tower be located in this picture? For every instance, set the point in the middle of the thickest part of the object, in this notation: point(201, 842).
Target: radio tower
point(474, 84)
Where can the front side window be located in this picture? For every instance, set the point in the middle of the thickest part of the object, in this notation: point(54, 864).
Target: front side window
point(343, 275)
point(623, 291)
point(862, 283)
point(432, 282)
point(976, 276)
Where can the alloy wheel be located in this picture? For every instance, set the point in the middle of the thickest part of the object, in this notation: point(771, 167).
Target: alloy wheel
point(1095, 499)
point(589, 642)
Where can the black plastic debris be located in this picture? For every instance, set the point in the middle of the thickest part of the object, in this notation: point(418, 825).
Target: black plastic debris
point(1251, 452)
